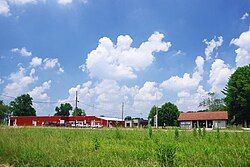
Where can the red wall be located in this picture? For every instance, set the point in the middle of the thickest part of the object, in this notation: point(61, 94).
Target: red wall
point(28, 120)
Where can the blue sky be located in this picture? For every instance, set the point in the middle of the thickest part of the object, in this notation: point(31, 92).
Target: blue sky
point(174, 51)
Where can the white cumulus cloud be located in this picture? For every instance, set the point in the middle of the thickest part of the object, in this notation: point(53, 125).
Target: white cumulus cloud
point(121, 61)
point(67, 2)
point(23, 2)
point(4, 8)
point(189, 101)
point(50, 63)
point(22, 51)
point(38, 93)
point(107, 96)
point(243, 52)
point(245, 15)
point(19, 82)
point(176, 83)
point(219, 75)
point(64, 2)
point(36, 61)
point(149, 92)
point(212, 45)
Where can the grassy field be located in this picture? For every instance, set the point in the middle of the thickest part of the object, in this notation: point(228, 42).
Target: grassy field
point(120, 147)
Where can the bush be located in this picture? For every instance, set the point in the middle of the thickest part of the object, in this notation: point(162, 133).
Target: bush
point(118, 133)
point(204, 131)
point(218, 133)
point(199, 132)
point(96, 143)
point(150, 131)
point(194, 132)
point(176, 133)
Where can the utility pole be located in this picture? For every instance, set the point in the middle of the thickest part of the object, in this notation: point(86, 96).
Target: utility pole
point(122, 109)
point(76, 100)
point(156, 116)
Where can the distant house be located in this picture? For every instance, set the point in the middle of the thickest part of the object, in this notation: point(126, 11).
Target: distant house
point(135, 123)
point(216, 119)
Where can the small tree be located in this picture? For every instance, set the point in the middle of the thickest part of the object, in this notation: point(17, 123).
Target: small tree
point(22, 106)
point(168, 115)
point(4, 111)
point(128, 118)
point(151, 115)
point(78, 112)
point(63, 110)
point(212, 103)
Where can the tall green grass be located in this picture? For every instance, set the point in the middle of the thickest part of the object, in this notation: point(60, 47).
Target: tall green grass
point(121, 147)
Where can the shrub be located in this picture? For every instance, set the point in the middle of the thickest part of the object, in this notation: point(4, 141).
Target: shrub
point(176, 133)
point(150, 131)
point(194, 132)
point(199, 132)
point(204, 131)
point(96, 143)
point(218, 133)
point(118, 134)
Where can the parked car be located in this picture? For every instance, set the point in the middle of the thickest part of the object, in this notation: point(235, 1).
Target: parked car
point(97, 126)
point(80, 125)
point(86, 125)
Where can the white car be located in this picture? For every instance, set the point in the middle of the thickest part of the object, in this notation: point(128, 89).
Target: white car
point(97, 126)
point(86, 125)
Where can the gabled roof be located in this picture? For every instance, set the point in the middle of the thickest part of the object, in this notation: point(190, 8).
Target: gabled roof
point(216, 115)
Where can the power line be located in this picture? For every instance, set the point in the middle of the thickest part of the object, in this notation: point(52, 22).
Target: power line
point(93, 106)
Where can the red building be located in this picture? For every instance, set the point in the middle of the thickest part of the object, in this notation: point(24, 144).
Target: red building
point(81, 121)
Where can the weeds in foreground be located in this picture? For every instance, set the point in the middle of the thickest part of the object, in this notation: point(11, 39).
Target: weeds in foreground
point(204, 132)
point(166, 154)
point(102, 147)
point(150, 131)
point(199, 132)
point(96, 143)
point(176, 134)
point(194, 132)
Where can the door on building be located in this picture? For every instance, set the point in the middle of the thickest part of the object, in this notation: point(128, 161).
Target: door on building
point(194, 124)
point(210, 124)
point(34, 123)
point(202, 124)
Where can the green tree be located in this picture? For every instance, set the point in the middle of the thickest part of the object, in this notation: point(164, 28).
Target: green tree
point(212, 103)
point(237, 93)
point(78, 112)
point(22, 106)
point(4, 111)
point(152, 113)
point(128, 118)
point(168, 115)
point(63, 110)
